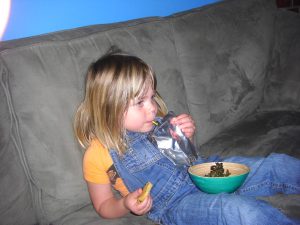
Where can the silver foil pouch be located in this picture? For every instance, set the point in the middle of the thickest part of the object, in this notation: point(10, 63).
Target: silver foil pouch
point(172, 143)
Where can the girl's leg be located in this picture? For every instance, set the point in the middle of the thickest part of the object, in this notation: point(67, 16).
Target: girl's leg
point(277, 173)
point(216, 209)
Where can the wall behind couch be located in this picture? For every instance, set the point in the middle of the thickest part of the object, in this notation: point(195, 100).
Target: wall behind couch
point(34, 17)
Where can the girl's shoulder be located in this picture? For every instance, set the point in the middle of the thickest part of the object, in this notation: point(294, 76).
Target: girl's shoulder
point(96, 158)
point(96, 146)
point(97, 150)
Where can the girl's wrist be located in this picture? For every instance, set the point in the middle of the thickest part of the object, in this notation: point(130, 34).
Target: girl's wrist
point(123, 201)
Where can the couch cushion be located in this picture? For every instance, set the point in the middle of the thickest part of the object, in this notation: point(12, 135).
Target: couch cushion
point(258, 135)
point(88, 216)
point(224, 56)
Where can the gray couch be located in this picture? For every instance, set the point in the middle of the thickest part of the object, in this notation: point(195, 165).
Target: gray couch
point(233, 65)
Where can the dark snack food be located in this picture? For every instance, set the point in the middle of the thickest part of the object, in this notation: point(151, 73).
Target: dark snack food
point(217, 171)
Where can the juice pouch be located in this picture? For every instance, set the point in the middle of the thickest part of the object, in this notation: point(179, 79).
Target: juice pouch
point(172, 143)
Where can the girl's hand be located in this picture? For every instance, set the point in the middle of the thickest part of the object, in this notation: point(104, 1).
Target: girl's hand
point(132, 204)
point(186, 124)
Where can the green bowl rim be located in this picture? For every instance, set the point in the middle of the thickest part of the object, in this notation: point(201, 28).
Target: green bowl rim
point(242, 174)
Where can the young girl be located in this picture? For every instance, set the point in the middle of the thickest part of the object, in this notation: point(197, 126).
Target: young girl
point(113, 123)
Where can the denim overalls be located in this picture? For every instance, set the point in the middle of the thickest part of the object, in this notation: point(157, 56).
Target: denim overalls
point(177, 201)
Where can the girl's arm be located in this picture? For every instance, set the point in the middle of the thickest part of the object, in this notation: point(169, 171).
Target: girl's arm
point(110, 207)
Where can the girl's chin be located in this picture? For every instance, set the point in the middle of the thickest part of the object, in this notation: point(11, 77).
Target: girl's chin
point(148, 127)
point(144, 129)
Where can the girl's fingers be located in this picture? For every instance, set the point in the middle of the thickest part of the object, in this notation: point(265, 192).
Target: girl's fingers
point(145, 206)
point(183, 119)
point(186, 123)
point(189, 134)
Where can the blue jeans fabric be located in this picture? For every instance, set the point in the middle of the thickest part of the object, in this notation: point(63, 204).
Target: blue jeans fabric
point(176, 200)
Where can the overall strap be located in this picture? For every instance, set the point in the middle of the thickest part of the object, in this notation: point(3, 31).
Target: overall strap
point(132, 183)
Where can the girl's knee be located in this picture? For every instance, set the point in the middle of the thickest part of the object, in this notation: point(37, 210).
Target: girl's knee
point(243, 205)
point(237, 202)
point(282, 161)
point(249, 210)
point(280, 157)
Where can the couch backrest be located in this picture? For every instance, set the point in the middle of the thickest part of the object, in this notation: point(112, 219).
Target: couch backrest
point(210, 62)
point(16, 205)
point(224, 53)
point(282, 90)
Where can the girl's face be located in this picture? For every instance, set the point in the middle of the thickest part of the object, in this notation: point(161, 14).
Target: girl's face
point(141, 112)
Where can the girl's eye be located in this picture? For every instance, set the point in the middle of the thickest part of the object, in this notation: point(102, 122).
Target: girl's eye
point(140, 103)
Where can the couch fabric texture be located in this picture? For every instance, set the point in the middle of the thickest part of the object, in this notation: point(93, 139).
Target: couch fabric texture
point(234, 66)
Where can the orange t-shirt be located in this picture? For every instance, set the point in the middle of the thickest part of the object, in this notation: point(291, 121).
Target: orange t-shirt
point(98, 167)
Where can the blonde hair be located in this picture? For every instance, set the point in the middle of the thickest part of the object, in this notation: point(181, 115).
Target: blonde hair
point(111, 82)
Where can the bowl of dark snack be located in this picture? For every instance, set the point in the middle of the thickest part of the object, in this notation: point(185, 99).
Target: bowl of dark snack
point(218, 177)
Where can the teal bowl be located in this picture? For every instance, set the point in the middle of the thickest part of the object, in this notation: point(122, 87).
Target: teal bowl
point(215, 185)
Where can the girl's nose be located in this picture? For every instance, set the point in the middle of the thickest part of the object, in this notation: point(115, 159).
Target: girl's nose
point(152, 107)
